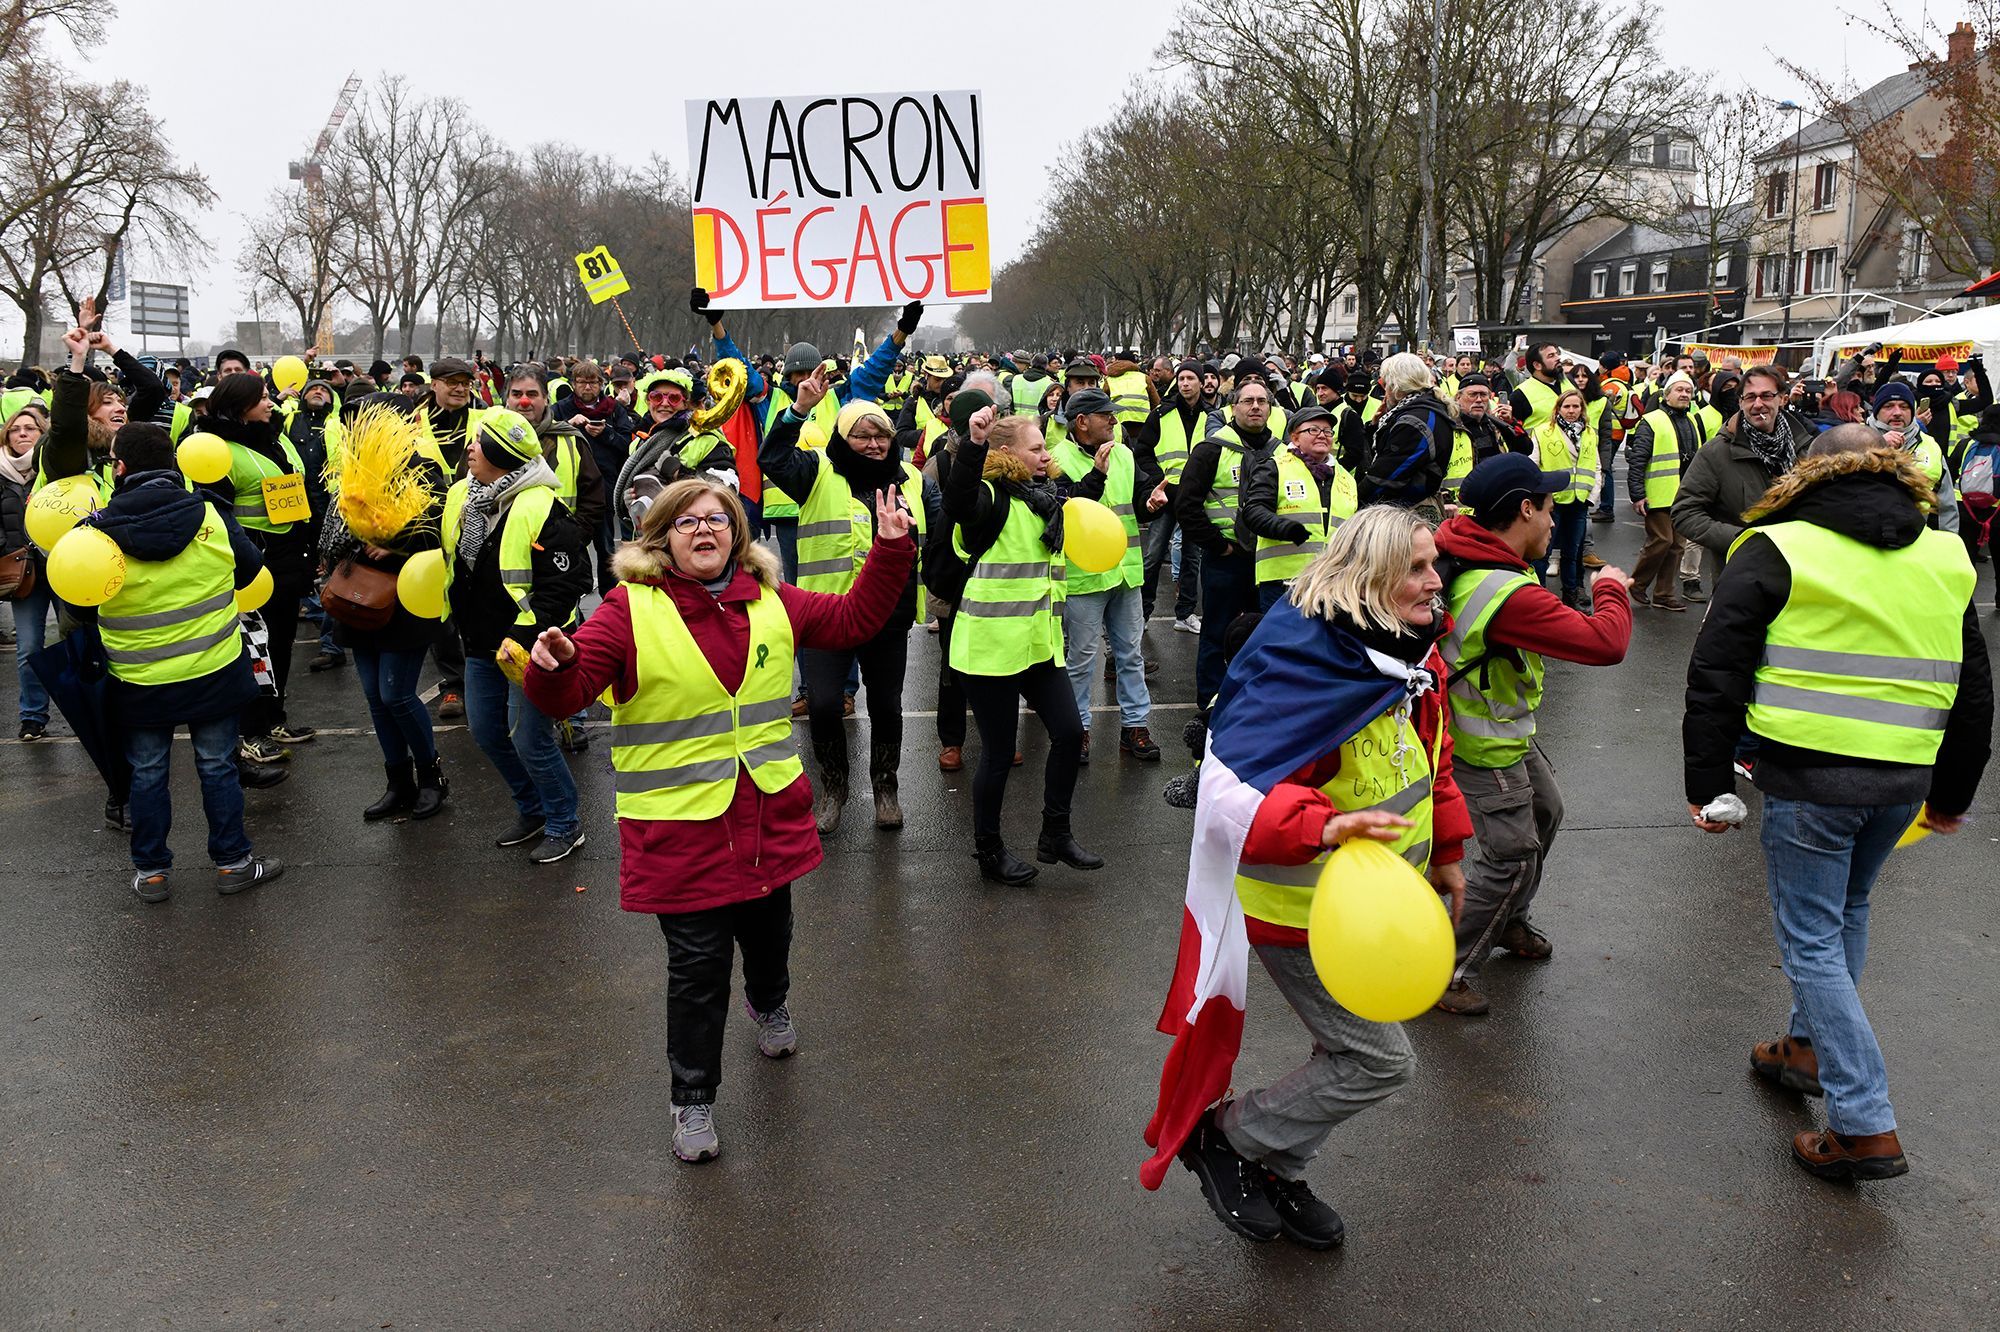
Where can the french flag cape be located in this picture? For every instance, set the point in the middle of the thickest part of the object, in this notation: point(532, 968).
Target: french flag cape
point(1299, 689)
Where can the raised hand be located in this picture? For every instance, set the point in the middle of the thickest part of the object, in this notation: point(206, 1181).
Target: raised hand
point(892, 520)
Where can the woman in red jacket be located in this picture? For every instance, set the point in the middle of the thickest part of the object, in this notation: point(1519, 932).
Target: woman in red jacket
point(714, 810)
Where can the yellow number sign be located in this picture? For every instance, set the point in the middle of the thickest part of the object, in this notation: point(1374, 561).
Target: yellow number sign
point(602, 277)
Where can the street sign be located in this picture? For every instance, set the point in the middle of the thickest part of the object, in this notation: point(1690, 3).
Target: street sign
point(159, 311)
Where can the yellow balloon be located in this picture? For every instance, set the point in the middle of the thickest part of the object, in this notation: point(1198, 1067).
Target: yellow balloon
point(55, 508)
point(420, 586)
point(86, 568)
point(1916, 832)
point(204, 458)
point(251, 597)
point(1380, 937)
point(288, 373)
point(1093, 538)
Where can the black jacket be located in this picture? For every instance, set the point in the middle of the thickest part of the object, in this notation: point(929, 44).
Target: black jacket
point(1199, 478)
point(1257, 505)
point(1871, 506)
point(153, 516)
point(293, 554)
point(484, 611)
point(1412, 444)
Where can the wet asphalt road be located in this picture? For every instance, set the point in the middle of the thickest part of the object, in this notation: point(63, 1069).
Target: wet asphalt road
point(421, 1083)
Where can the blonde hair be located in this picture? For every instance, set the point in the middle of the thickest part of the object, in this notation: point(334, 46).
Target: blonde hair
point(1362, 567)
point(676, 500)
point(1004, 433)
point(1565, 396)
point(1405, 373)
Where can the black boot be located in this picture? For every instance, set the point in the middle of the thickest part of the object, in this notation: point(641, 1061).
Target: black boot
point(432, 788)
point(402, 792)
point(882, 772)
point(1056, 843)
point(999, 865)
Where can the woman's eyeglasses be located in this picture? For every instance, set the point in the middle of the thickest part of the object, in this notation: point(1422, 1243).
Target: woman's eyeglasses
point(690, 523)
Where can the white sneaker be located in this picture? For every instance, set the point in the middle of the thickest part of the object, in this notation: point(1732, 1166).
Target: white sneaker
point(1190, 625)
point(694, 1133)
point(777, 1037)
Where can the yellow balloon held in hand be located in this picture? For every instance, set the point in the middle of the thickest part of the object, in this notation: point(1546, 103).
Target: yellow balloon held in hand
point(86, 568)
point(257, 593)
point(204, 458)
point(1380, 937)
point(1093, 538)
point(288, 373)
point(57, 506)
point(420, 586)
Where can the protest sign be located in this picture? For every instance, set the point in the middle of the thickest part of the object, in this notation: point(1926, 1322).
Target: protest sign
point(864, 199)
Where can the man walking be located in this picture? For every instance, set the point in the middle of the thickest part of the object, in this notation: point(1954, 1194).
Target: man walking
point(1842, 631)
point(1206, 508)
point(1662, 446)
point(1167, 438)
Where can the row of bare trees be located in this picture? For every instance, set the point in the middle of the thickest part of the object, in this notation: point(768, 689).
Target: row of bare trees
point(1276, 172)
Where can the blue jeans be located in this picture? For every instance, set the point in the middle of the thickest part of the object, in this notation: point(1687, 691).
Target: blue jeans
point(149, 749)
point(1228, 589)
point(521, 742)
point(1572, 525)
point(1821, 860)
point(402, 722)
point(1114, 614)
point(310, 609)
point(1607, 498)
point(31, 627)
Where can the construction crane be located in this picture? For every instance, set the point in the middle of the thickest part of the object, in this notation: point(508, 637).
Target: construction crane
point(312, 172)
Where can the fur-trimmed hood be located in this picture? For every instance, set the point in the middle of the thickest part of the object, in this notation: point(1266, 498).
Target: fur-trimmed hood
point(1880, 497)
point(637, 563)
point(1004, 466)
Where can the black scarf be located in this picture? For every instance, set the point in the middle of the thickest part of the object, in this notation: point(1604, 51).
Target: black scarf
point(1043, 501)
point(863, 475)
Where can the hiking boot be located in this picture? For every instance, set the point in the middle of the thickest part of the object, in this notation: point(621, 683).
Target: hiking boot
point(694, 1133)
point(1593, 561)
point(1057, 843)
point(1833, 1155)
point(999, 865)
point(261, 749)
point(1083, 755)
point(451, 705)
point(432, 788)
point(1188, 624)
point(777, 1038)
point(1691, 590)
point(292, 735)
point(1459, 997)
point(1138, 742)
point(526, 828)
point(554, 848)
point(257, 775)
point(326, 661)
point(951, 758)
point(1790, 1062)
point(242, 878)
point(1524, 940)
point(402, 793)
point(150, 885)
point(1233, 1186)
point(827, 804)
point(1304, 1219)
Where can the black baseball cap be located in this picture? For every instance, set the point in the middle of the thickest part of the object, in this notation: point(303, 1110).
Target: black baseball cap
point(1506, 477)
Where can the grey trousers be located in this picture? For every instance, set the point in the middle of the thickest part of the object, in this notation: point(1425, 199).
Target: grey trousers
point(1516, 812)
point(1354, 1063)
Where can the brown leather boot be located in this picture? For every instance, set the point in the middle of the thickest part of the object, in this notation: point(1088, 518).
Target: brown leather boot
point(951, 758)
point(1833, 1155)
point(1462, 999)
point(1524, 940)
point(1790, 1062)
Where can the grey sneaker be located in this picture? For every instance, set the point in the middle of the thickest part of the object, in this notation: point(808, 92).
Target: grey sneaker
point(150, 885)
point(777, 1038)
point(694, 1133)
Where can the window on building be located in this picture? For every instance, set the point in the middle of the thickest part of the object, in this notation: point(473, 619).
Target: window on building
point(1916, 255)
point(1598, 278)
point(1680, 153)
point(1722, 271)
point(1657, 280)
point(1641, 152)
point(1825, 176)
point(1349, 304)
point(1628, 280)
point(1777, 194)
point(1771, 275)
point(1819, 271)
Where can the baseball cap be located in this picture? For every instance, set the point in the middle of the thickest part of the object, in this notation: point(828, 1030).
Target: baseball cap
point(1507, 477)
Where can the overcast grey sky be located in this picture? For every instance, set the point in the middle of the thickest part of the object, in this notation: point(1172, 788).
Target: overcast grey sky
point(243, 96)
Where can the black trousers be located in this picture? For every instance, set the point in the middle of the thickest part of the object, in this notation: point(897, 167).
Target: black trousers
point(448, 651)
point(1045, 688)
point(950, 692)
point(883, 660)
point(701, 952)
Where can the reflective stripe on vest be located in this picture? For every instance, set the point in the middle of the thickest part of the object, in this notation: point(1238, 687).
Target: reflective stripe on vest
point(1027, 394)
point(1171, 452)
point(1663, 469)
point(520, 528)
point(1006, 620)
point(175, 619)
point(1222, 498)
point(248, 471)
point(1369, 778)
point(677, 743)
point(836, 528)
point(1119, 476)
point(1298, 499)
point(1864, 658)
point(1580, 462)
point(1493, 701)
point(1129, 396)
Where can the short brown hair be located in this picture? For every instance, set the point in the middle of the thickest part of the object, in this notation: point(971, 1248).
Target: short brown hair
point(1775, 374)
point(676, 499)
point(583, 370)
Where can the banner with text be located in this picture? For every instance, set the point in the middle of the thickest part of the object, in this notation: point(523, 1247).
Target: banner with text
point(1715, 351)
point(862, 199)
point(1914, 353)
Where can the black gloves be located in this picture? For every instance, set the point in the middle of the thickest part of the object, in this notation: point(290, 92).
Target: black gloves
point(913, 314)
point(698, 302)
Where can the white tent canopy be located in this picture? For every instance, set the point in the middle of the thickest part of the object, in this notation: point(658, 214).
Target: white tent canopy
point(1922, 340)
